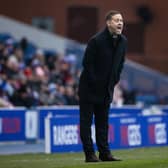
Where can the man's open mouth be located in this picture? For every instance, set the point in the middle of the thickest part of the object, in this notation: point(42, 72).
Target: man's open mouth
point(119, 28)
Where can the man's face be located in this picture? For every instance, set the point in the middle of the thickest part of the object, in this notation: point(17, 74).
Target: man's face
point(115, 25)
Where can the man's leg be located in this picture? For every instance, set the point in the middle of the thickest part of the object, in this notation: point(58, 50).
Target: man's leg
point(101, 125)
point(86, 115)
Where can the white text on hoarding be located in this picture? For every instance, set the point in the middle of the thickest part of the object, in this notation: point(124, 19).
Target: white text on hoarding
point(65, 135)
point(134, 135)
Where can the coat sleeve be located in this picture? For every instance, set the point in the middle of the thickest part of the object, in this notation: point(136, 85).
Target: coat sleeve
point(121, 65)
point(89, 59)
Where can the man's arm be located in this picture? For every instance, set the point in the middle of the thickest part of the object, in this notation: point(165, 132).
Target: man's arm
point(89, 59)
point(121, 65)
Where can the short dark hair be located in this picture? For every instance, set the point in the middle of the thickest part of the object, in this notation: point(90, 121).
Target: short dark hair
point(111, 13)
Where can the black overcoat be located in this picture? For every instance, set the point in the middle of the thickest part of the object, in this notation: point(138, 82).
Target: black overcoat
point(102, 64)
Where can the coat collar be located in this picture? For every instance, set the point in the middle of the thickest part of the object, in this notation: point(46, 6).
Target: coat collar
point(111, 36)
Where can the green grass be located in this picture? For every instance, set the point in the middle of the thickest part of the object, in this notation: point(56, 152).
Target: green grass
point(132, 158)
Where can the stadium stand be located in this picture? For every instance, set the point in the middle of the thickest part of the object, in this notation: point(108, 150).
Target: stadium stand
point(34, 72)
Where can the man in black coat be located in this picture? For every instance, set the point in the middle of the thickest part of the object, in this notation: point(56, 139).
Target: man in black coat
point(102, 64)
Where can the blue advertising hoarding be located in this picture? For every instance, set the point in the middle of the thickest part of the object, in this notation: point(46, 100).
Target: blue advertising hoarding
point(19, 124)
point(124, 132)
point(74, 110)
point(157, 130)
point(12, 124)
point(45, 111)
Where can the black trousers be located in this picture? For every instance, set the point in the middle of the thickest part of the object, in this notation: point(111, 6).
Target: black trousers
point(100, 111)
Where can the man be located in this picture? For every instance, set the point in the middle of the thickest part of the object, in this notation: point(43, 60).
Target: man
point(102, 64)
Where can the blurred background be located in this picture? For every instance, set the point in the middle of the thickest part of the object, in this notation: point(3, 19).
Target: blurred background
point(42, 44)
point(35, 54)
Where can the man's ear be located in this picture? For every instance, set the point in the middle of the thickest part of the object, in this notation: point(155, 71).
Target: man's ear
point(108, 22)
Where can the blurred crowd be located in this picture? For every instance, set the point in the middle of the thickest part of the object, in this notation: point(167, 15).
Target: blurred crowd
point(31, 76)
point(38, 79)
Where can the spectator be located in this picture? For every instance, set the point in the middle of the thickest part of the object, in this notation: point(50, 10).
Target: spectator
point(70, 96)
point(29, 77)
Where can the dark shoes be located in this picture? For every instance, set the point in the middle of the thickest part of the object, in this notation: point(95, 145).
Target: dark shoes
point(91, 158)
point(102, 157)
point(107, 157)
